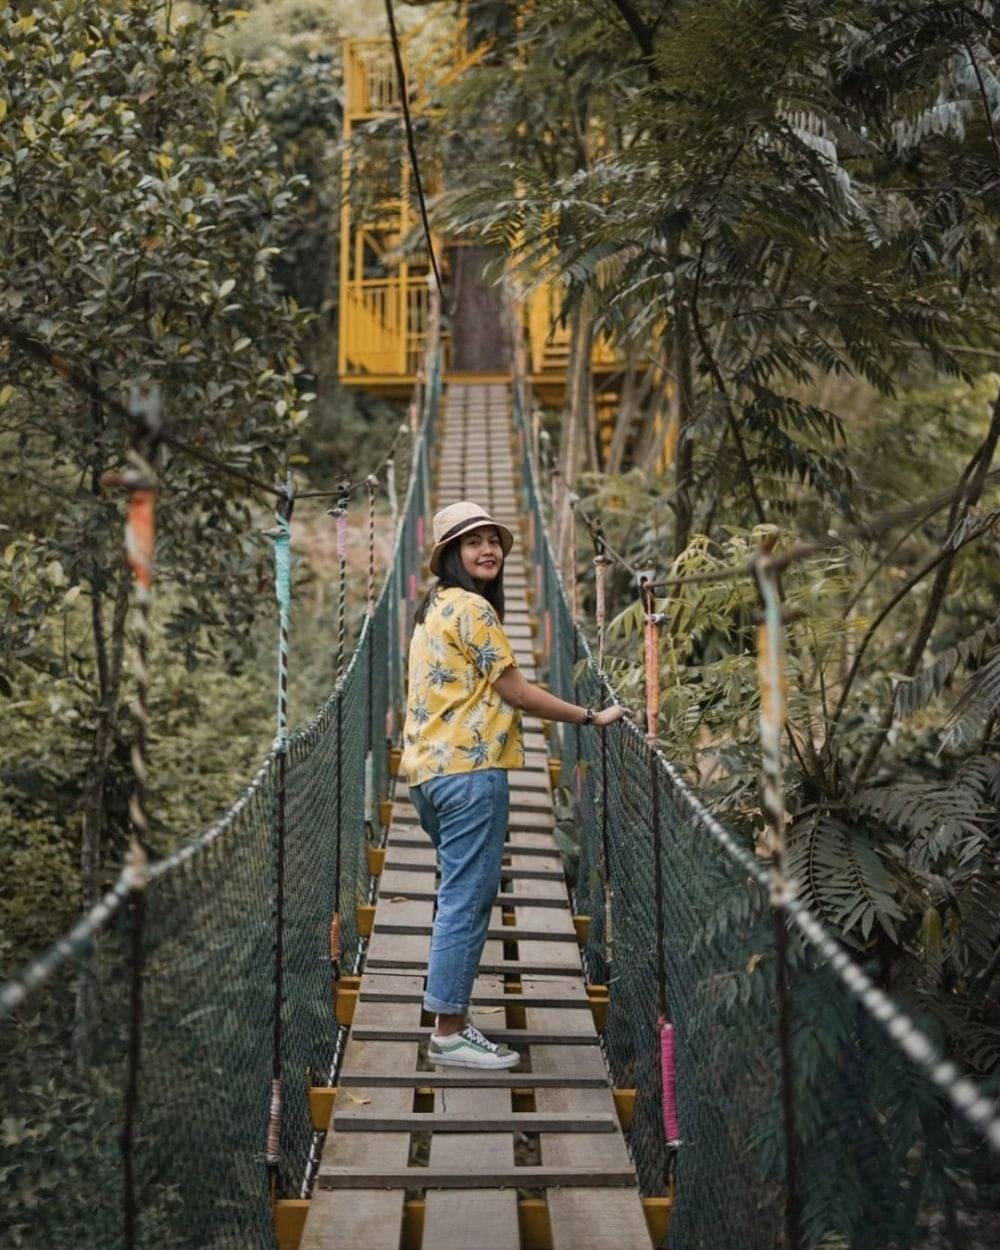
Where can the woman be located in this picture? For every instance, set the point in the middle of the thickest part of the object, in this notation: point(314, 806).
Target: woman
point(462, 735)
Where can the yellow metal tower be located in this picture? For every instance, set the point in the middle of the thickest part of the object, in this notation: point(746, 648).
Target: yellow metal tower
point(384, 289)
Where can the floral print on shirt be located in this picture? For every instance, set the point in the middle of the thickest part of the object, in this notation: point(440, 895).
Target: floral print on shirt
point(455, 720)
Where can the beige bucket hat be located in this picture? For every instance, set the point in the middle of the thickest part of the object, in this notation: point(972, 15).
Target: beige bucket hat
point(459, 518)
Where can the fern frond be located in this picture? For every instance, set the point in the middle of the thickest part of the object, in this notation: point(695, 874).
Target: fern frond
point(977, 705)
point(934, 818)
point(840, 872)
point(913, 693)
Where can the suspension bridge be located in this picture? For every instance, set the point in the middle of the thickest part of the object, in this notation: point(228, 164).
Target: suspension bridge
point(229, 1049)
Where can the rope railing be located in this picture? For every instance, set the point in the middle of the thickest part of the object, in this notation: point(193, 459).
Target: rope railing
point(190, 1117)
point(781, 1096)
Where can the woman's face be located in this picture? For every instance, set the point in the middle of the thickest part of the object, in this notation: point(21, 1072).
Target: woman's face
point(482, 555)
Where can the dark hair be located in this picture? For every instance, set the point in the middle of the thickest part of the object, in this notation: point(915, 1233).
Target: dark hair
point(452, 573)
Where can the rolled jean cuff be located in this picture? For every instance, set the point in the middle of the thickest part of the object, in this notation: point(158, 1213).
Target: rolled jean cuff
point(441, 1008)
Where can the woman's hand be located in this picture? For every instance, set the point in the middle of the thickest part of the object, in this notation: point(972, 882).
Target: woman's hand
point(608, 715)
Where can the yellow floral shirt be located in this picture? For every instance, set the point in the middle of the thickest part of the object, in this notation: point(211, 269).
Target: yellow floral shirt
point(455, 720)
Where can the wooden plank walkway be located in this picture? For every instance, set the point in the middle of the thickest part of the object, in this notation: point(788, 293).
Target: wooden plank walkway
point(472, 1143)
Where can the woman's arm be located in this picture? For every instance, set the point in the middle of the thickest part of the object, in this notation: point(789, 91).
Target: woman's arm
point(515, 689)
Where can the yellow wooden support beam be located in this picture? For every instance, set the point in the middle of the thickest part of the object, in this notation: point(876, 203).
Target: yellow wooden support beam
point(657, 1212)
point(321, 1100)
point(625, 1106)
point(599, 998)
point(384, 812)
point(582, 926)
point(395, 755)
point(366, 919)
point(289, 1221)
point(515, 1015)
point(350, 981)
point(534, 1224)
point(376, 860)
point(522, 1100)
point(555, 772)
point(413, 1224)
point(347, 1000)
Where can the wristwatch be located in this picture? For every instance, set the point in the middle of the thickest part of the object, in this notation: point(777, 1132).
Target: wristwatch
point(588, 715)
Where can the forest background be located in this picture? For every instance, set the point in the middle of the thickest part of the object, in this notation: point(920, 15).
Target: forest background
point(783, 214)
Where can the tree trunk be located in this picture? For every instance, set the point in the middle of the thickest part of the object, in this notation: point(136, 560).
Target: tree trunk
point(480, 343)
point(636, 391)
point(625, 419)
point(574, 423)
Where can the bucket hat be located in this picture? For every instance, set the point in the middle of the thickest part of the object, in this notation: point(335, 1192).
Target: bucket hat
point(457, 519)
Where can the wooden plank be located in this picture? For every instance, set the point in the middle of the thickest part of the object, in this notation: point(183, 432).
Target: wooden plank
point(505, 933)
point(483, 1218)
point(537, 845)
point(527, 801)
point(596, 1218)
point(506, 874)
point(407, 894)
point(550, 924)
point(364, 1120)
point(448, 1078)
point(526, 820)
point(389, 951)
point(520, 779)
point(524, 1037)
point(545, 848)
point(578, 1002)
point(475, 1177)
point(373, 1219)
point(399, 951)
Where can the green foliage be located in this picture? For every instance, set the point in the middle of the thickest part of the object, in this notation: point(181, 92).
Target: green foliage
point(841, 874)
point(141, 206)
point(144, 204)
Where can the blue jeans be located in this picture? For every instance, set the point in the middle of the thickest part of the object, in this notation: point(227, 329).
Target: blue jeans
point(465, 815)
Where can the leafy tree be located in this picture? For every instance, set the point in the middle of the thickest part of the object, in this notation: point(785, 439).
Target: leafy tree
point(143, 205)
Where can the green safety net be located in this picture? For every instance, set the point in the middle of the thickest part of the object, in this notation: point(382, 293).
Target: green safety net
point(881, 1160)
point(208, 935)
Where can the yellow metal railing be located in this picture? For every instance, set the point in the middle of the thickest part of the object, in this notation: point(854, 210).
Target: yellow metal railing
point(371, 337)
point(383, 319)
point(549, 338)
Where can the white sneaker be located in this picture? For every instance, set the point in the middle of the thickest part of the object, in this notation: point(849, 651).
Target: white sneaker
point(469, 1049)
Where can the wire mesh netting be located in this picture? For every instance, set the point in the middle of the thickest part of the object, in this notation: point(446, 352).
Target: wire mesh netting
point(879, 1158)
point(208, 917)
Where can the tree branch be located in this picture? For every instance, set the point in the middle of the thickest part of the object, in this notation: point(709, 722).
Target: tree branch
point(982, 461)
point(643, 35)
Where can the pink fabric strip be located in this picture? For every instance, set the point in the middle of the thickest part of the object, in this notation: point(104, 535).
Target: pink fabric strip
point(668, 1075)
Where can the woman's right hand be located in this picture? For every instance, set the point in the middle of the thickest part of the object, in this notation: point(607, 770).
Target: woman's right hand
point(608, 715)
